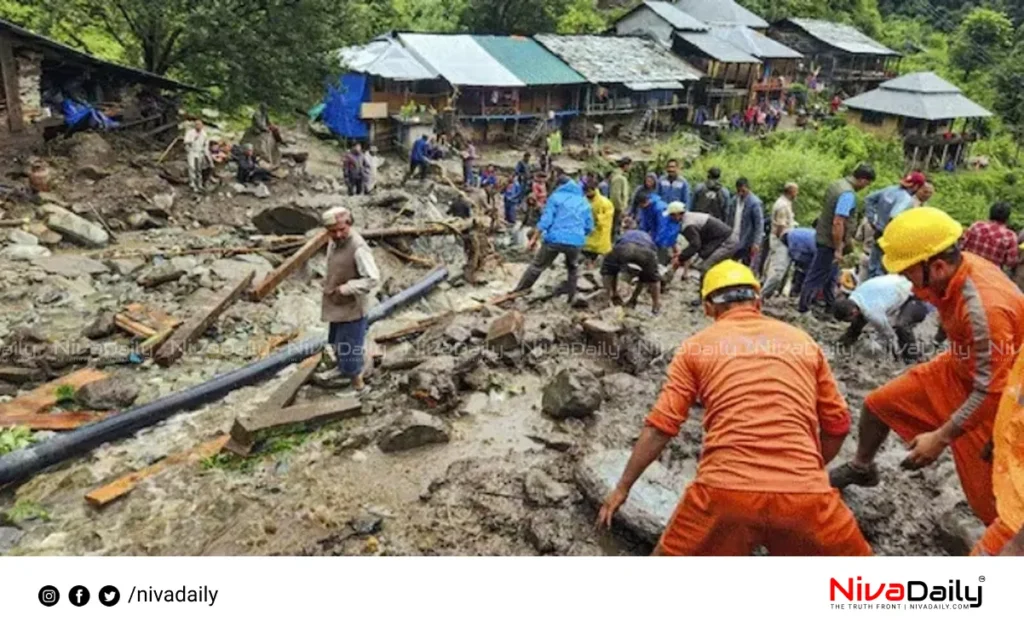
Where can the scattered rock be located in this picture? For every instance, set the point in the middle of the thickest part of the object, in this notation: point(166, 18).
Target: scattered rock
point(159, 274)
point(24, 238)
point(601, 332)
point(651, 501)
point(548, 534)
point(186, 263)
point(261, 191)
point(412, 429)
point(959, 530)
point(141, 220)
point(107, 394)
point(102, 327)
point(175, 172)
point(574, 393)
point(72, 266)
point(457, 334)
point(635, 353)
point(76, 229)
point(240, 266)
point(7, 389)
point(286, 220)
point(542, 490)
point(506, 332)
point(622, 383)
point(45, 236)
point(555, 441)
point(433, 383)
point(25, 252)
point(9, 537)
point(126, 267)
point(163, 203)
point(20, 375)
point(92, 172)
point(366, 524)
point(90, 148)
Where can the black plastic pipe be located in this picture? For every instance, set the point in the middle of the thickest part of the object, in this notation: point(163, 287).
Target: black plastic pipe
point(19, 464)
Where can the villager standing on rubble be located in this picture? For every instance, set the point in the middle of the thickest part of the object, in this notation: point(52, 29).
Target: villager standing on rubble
point(634, 248)
point(711, 197)
point(618, 193)
point(356, 167)
point(773, 418)
point(672, 187)
point(993, 240)
point(599, 242)
point(707, 237)
point(835, 229)
point(950, 401)
point(747, 221)
point(888, 304)
point(886, 204)
point(648, 187)
point(351, 276)
point(418, 158)
point(563, 227)
point(197, 148)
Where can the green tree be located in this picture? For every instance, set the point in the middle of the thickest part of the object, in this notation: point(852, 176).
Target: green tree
point(981, 40)
point(506, 17)
point(582, 16)
point(1008, 79)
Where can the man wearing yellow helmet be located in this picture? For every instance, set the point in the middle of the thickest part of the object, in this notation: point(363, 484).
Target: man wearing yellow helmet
point(773, 418)
point(952, 399)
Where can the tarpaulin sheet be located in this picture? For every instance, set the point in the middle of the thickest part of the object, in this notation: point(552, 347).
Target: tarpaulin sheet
point(343, 104)
point(74, 112)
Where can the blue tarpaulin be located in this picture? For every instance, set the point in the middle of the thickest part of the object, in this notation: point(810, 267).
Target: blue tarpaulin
point(343, 104)
point(75, 111)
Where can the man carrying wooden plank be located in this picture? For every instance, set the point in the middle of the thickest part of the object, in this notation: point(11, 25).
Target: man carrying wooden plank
point(351, 276)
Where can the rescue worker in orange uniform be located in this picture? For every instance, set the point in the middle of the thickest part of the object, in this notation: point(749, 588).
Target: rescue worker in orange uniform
point(773, 418)
point(1006, 534)
point(950, 401)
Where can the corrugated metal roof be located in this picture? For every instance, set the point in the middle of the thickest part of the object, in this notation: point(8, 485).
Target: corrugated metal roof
point(679, 20)
point(528, 60)
point(927, 104)
point(654, 85)
point(842, 36)
point(459, 59)
point(141, 76)
point(618, 59)
point(923, 82)
point(385, 58)
point(721, 12)
point(750, 41)
point(717, 49)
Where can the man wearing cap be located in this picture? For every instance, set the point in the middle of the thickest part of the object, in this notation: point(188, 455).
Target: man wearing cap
point(618, 193)
point(634, 249)
point(564, 226)
point(350, 278)
point(884, 205)
point(666, 236)
point(834, 235)
point(650, 208)
point(950, 401)
point(773, 418)
point(707, 237)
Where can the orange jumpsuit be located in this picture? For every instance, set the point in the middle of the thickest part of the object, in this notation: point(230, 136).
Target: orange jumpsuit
point(1007, 465)
point(983, 314)
point(768, 392)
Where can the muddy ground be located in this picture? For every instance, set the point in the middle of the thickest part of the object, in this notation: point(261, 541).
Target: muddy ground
point(504, 483)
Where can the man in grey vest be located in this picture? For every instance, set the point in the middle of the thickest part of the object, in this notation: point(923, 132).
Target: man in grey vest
point(351, 276)
point(836, 226)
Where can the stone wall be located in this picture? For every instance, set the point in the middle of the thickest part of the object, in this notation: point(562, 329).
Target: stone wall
point(30, 73)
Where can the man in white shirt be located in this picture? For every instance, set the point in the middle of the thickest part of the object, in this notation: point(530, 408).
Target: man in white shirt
point(197, 148)
point(888, 304)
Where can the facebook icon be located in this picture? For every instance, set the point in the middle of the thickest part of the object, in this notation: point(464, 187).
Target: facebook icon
point(79, 596)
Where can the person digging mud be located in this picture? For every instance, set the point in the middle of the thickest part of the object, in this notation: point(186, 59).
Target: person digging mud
point(773, 419)
point(634, 249)
point(351, 275)
point(950, 401)
point(888, 305)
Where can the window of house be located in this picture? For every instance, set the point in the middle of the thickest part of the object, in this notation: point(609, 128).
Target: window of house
point(872, 118)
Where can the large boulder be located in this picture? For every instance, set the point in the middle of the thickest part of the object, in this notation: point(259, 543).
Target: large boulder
point(23, 238)
point(102, 327)
point(45, 236)
point(107, 394)
point(71, 266)
point(542, 490)
point(574, 393)
point(25, 252)
point(76, 229)
point(91, 149)
point(652, 499)
point(412, 429)
point(286, 220)
point(506, 332)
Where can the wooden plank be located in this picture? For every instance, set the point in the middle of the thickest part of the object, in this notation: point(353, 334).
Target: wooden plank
point(45, 396)
point(429, 322)
point(153, 343)
point(156, 319)
point(246, 433)
point(9, 70)
point(189, 332)
point(122, 486)
point(277, 341)
point(297, 259)
point(284, 395)
point(63, 421)
point(133, 327)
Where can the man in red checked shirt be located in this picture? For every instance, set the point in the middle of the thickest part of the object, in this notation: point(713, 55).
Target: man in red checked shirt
point(773, 418)
point(993, 240)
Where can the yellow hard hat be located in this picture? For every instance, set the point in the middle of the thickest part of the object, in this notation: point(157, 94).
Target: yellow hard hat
point(728, 274)
point(917, 235)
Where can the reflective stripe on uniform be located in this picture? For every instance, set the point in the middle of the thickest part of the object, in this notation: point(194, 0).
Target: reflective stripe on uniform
point(981, 352)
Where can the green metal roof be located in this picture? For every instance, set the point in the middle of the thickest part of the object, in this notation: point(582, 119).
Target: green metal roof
point(528, 60)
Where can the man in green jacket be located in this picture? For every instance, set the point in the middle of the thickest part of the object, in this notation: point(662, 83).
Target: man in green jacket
point(619, 194)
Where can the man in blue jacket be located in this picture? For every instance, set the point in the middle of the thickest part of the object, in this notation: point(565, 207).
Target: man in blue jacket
point(649, 209)
point(746, 217)
point(418, 158)
point(672, 187)
point(564, 226)
point(670, 225)
point(886, 204)
point(800, 250)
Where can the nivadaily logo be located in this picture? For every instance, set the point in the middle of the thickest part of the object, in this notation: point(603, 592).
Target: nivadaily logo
point(912, 594)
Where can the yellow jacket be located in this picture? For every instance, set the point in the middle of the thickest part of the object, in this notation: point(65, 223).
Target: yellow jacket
point(600, 239)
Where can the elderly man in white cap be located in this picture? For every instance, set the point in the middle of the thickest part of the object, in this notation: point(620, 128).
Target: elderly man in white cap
point(351, 276)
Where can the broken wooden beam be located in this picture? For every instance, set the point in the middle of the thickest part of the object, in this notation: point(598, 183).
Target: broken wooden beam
point(429, 322)
point(434, 228)
point(153, 343)
point(133, 327)
point(60, 421)
point(9, 75)
point(246, 433)
point(284, 395)
point(122, 486)
point(189, 332)
point(277, 341)
point(408, 257)
point(300, 257)
point(45, 396)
